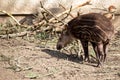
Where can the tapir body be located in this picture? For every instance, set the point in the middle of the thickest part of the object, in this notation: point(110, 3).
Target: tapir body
point(92, 27)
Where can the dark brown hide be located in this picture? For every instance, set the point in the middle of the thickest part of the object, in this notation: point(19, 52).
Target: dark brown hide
point(94, 28)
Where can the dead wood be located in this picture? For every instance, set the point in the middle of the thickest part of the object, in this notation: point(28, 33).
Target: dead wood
point(21, 34)
point(10, 15)
point(66, 9)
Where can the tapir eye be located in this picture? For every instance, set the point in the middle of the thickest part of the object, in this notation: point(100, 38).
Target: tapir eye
point(60, 38)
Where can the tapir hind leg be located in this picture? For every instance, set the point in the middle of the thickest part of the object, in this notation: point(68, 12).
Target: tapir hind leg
point(98, 48)
point(105, 48)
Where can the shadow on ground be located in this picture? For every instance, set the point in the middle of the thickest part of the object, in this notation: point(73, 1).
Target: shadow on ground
point(64, 56)
point(73, 58)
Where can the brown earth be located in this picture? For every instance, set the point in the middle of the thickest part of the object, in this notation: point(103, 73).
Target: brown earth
point(22, 60)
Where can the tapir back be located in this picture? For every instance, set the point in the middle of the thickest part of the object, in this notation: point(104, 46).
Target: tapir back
point(92, 27)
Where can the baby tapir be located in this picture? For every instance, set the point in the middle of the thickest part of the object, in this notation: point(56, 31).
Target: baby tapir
point(92, 27)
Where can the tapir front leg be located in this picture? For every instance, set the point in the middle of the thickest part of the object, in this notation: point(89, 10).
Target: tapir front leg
point(85, 48)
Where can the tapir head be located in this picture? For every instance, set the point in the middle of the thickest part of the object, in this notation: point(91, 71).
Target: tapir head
point(64, 39)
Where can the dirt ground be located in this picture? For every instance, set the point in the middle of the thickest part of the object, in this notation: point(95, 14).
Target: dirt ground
point(22, 60)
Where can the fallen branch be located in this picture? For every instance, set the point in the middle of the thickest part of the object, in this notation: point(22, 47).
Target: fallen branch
point(21, 34)
point(10, 16)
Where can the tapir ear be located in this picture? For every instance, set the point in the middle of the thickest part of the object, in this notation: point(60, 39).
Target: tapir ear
point(65, 27)
point(61, 28)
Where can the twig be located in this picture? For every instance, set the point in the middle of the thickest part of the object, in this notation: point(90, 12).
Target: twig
point(44, 16)
point(39, 25)
point(15, 35)
point(55, 17)
point(10, 16)
point(67, 13)
point(66, 9)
